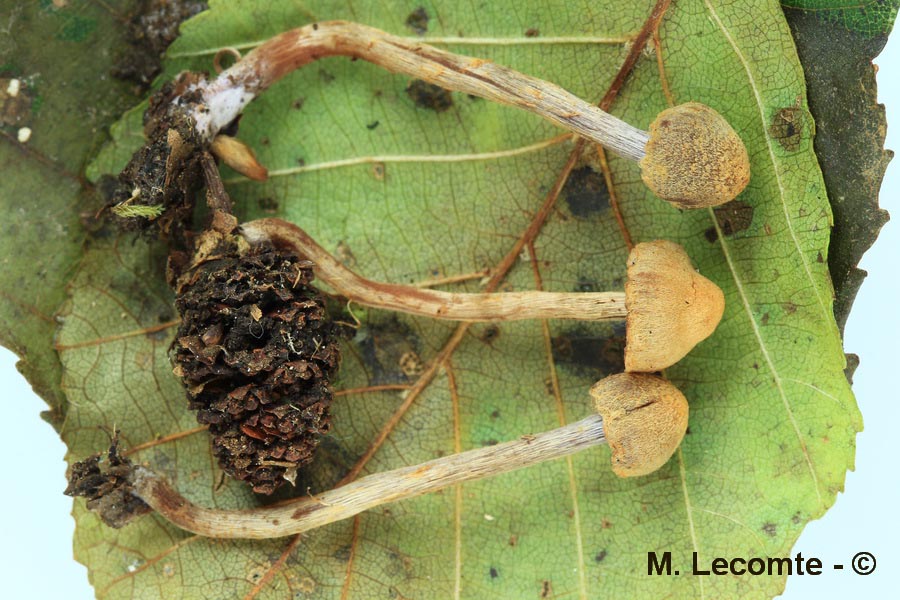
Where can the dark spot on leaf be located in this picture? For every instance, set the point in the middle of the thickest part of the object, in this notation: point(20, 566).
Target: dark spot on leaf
point(787, 127)
point(546, 589)
point(430, 96)
point(532, 32)
point(495, 414)
point(765, 319)
point(298, 103)
point(513, 540)
point(342, 554)
point(819, 258)
point(732, 217)
point(417, 21)
point(769, 529)
point(267, 204)
point(373, 125)
point(494, 573)
point(790, 308)
point(491, 442)
point(490, 333)
point(796, 518)
point(600, 556)
point(585, 193)
point(589, 353)
point(325, 76)
point(585, 285)
point(382, 347)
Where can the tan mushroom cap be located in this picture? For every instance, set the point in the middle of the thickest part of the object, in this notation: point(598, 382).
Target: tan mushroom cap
point(644, 419)
point(671, 308)
point(694, 158)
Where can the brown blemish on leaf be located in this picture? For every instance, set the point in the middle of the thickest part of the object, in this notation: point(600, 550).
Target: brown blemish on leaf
point(600, 556)
point(430, 96)
point(546, 589)
point(268, 205)
point(345, 254)
point(411, 364)
point(770, 529)
point(588, 353)
point(378, 171)
point(490, 333)
point(732, 217)
point(258, 572)
point(585, 193)
point(381, 347)
point(494, 573)
point(417, 21)
point(532, 32)
point(787, 127)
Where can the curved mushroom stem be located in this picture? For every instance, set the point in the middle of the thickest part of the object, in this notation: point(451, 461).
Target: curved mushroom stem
point(227, 95)
point(506, 306)
point(642, 417)
point(407, 482)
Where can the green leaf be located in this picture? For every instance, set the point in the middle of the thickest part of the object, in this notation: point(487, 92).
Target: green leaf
point(41, 196)
point(850, 129)
point(406, 194)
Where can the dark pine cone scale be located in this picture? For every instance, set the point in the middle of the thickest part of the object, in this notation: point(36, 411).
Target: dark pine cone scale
point(256, 353)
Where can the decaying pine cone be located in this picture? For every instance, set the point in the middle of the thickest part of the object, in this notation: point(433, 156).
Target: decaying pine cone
point(256, 353)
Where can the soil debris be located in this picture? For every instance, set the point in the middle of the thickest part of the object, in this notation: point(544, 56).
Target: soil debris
point(107, 486)
point(150, 32)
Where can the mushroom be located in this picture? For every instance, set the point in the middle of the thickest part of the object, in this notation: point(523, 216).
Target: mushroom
point(667, 305)
point(690, 157)
point(645, 418)
point(642, 416)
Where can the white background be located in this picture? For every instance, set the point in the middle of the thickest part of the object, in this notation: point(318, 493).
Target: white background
point(36, 530)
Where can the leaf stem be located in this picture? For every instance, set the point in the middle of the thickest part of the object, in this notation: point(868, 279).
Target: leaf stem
point(479, 307)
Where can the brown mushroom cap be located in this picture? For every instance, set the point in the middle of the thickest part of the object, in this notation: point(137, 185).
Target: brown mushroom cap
point(671, 308)
point(644, 419)
point(694, 158)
